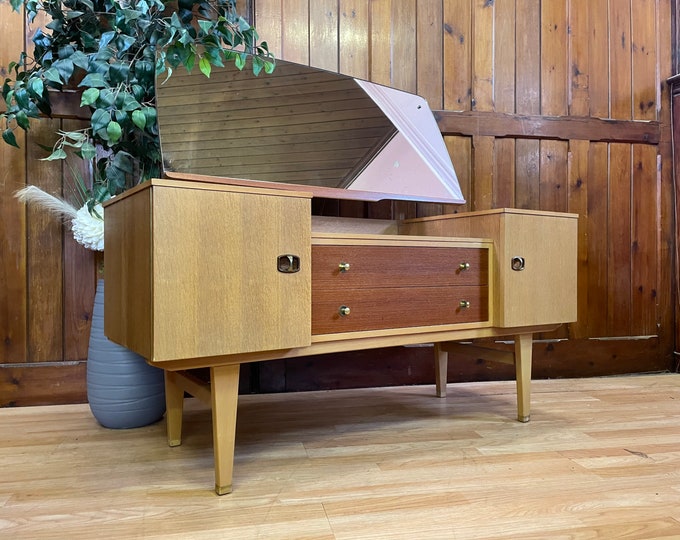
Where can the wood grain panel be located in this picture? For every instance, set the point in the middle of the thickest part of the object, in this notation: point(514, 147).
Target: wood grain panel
point(554, 27)
point(644, 236)
point(354, 38)
point(483, 56)
point(429, 49)
point(381, 42)
point(382, 308)
point(323, 35)
point(578, 61)
point(458, 41)
point(644, 44)
point(621, 93)
point(44, 251)
point(598, 59)
point(619, 314)
point(295, 31)
point(13, 290)
point(384, 266)
point(267, 18)
point(403, 42)
point(598, 238)
point(578, 168)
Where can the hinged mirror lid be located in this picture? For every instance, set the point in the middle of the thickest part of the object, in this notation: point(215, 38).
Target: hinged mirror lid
point(301, 126)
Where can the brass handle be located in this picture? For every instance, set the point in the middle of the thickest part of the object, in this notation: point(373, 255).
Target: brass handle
point(343, 267)
point(464, 266)
point(343, 311)
point(464, 304)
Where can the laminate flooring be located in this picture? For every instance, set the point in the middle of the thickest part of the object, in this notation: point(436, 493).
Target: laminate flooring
point(599, 459)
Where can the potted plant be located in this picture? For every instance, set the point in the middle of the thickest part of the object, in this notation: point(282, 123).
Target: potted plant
point(113, 52)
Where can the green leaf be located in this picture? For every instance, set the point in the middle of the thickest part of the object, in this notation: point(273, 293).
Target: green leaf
point(36, 87)
point(59, 153)
point(93, 80)
point(150, 114)
point(88, 151)
point(204, 66)
point(240, 61)
point(8, 137)
point(22, 120)
point(130, 103)
point(206, 26)
point(89, 97)
point(100, 119)
point(139, 119)
point(114, 131)
point(52, 74)
point(79, 58)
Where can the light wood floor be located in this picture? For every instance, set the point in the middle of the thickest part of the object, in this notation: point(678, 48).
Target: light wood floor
point(600, 459)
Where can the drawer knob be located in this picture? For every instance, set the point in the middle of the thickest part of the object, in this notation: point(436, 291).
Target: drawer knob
point(343, 267)
point(464, 266)
point(464, 304)
point(344, 311)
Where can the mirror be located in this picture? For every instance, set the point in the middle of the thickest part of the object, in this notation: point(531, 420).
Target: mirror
point(304, 128)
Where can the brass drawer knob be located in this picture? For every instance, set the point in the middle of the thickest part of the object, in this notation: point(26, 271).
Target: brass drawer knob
point(344, 311)
point(464, 266)
point(464, 304)
point(343, 267)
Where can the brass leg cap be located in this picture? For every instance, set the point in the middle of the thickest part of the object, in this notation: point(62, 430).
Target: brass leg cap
point(222, 490)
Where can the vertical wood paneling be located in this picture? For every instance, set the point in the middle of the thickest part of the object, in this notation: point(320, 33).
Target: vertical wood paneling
point(668, 304)
point(578, 168)
point(504, 101)
point(645, 201)
point(457, 47)
point(267, 19)
point(323, 35)
point(603, 59)
point(404, 51)
point(619, 241)
point(44, 254)
point(644, 66)
point(295, 31)
point(620, 61)
point(528, 99)
point(381, 41)
point(429, 48)
point(354, 38)
point(554, 78)
point(482, 55)
point(79, 273)
point(597, 232)
point(13, 338)
point(579, 59)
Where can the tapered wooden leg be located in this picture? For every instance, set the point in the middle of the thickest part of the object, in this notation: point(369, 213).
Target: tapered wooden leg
point(174, 408)
point(523, 343)
point(224, 393)
point(441, 364)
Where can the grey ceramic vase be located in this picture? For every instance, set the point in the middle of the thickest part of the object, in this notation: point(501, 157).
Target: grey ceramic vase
point(122, 389)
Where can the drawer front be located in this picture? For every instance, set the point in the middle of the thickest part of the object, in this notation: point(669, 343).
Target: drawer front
point(391, 307)
point(394, 266)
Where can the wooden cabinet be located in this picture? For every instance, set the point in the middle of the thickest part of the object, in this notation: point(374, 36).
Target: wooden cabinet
point(208, 274)
point(195, 272)
point(535, 260)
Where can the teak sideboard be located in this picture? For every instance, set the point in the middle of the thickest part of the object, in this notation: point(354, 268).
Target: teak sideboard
point(210, 274)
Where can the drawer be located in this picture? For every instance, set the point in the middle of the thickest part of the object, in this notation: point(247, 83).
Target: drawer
point(397, 266)
point(397, 307)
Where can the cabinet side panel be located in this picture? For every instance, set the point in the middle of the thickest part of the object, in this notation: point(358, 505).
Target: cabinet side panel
point(127, 269)
point(217, 289)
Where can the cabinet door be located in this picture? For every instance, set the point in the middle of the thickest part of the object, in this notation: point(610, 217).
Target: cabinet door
point(218, 283)
point(537, 269)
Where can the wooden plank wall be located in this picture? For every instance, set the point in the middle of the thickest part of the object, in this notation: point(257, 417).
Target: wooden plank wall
point(552, 104)
point(48, 281)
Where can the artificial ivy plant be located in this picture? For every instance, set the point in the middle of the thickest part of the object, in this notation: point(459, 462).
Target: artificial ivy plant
point(113, 51)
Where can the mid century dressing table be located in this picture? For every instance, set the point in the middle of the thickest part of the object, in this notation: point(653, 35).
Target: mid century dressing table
point(208, 271)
